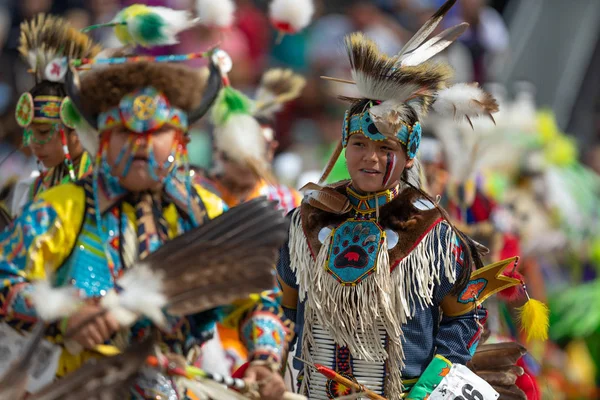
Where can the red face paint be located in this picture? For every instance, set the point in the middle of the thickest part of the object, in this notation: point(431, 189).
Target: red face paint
point(389, 168)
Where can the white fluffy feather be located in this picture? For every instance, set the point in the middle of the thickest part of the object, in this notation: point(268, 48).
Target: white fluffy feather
point(296, 13)
point(217, 13)
point(241, 137)
point(142, 294)
point(54, 303)
point(461, 100)
point(389, 116)
point(176, 21)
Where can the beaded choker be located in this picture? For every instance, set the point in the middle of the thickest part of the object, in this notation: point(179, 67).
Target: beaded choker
point(367, 204)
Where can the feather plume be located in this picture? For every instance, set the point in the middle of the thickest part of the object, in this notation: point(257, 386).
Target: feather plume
point(291, 16)
point(277, 86)
point(53, 303)
point(426, 30)
point(433, 46)
point(464, 101)
point(534, 319)
point(241, 138)
point(391, 115)
point(238, 133)
point(87, 134)
point(142, 294)
point(218, 13)
point(151, 26)
point(46, 38)
point(378, 78)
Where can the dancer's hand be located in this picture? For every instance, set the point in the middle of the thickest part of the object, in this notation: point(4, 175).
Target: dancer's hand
point(96, 330)
point(270, 383)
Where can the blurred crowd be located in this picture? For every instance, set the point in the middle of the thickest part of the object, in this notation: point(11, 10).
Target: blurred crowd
point(308, 129)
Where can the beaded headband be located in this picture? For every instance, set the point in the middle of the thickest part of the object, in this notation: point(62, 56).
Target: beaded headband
point(41, 110)
point(410, 137)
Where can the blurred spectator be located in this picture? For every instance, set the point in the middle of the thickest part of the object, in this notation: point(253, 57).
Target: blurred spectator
point(487, 38)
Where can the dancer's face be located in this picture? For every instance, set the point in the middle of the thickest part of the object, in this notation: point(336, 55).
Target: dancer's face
point(375, 165)
point(46, 144)
point(139, 178)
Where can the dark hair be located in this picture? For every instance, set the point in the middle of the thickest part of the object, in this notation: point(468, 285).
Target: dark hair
point(48, 88)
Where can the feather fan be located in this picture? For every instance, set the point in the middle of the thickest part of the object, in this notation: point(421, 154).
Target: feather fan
point(497, 355)
point(496, 364)
point(277, 86)
point(223, 260)
point(45, 38)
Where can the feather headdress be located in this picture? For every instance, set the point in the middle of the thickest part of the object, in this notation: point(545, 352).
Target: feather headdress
point(399, 91)
point(45, 40)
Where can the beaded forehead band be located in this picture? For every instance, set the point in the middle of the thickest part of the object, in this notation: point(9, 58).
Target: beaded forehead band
point(363, 123)
point(41, 110)
point(142, 111)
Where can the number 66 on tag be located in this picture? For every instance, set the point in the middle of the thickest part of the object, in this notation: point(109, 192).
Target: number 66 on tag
point(462, 384)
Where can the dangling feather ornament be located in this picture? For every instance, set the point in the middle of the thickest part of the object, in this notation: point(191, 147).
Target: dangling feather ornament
point(291, 16)
point(534, 317)
point(216, 13)
point(465, 100)
point(147, 26)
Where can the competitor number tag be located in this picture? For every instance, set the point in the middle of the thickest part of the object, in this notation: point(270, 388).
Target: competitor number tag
point(45, 362)
point(462, 384)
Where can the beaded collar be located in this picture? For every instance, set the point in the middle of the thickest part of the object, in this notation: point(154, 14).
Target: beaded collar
point(365, 205)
